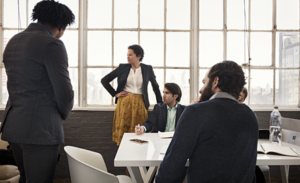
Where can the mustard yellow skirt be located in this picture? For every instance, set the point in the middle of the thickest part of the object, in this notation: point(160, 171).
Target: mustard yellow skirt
point(130, 111)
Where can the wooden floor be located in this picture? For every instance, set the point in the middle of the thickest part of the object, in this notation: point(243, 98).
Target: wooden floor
point(273, 180)
point(294, 175)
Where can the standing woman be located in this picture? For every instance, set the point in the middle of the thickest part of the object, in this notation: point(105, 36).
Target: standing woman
point(131, 96)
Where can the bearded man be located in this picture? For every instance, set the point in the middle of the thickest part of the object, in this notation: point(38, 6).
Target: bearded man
point(218, 136)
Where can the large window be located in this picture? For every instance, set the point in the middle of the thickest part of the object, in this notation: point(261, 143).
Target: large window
point(154, 24)
point(12, 24)
point(263, 37)
point(182, 39)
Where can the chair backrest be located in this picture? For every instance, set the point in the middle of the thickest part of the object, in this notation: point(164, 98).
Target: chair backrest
point(87, 166)
point(291, 131)
point(3, 144)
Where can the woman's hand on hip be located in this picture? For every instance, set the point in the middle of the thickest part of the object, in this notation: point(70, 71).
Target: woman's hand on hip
point(122, 94)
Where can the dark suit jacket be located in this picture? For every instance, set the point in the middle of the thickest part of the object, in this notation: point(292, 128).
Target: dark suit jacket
point(39, 87)
point(122, 73)
point(157, 120)
point(219, 137)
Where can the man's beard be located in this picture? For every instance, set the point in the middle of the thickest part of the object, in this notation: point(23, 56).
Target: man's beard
point(207, 93)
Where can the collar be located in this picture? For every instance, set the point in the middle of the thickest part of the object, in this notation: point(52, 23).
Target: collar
point(44, 27)
point(173, 107)
point(222, 95)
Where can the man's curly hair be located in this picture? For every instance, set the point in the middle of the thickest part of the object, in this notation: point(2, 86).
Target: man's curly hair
point(231, 77)
point(56, 14)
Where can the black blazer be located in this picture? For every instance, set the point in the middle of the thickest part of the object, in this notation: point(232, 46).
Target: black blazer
point(122, 73)
point(39, 87)
point(157, 120)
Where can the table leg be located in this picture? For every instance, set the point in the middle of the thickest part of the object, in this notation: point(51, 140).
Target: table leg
point(147, 175)
point(135, 174)
point(284, 169)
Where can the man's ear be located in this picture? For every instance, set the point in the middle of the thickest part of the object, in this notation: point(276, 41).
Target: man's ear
point(176, 96)
point(215, 83)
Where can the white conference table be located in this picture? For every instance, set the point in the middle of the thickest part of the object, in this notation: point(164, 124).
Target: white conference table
point(136, 157)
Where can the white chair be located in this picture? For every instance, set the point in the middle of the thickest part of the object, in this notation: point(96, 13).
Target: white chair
point(8, 173)
point(89, 166)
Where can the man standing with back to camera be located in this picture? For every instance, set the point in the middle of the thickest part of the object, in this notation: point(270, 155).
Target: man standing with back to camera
point(40, 92)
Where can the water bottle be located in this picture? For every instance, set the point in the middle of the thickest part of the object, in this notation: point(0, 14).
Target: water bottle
point(275, 127)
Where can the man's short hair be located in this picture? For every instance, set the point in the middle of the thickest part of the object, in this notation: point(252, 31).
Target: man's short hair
point(138, 50)
point(174, 89)
point(56, 14)
point(231, 77)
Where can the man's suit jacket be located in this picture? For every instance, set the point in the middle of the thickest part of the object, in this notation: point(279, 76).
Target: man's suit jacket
point(39, 87)
point(219, 137)
point(157, 120)
point(122, 73)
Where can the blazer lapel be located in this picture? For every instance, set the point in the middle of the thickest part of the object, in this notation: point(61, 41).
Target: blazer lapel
point(165, 116)
point(124, 77)
point(178, 113)
point(144, 74)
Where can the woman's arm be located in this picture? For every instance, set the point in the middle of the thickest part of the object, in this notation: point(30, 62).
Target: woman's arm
point(155, 86)
point(108, 78)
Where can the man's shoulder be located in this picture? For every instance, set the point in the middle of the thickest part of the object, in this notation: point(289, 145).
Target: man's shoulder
point(180, 105)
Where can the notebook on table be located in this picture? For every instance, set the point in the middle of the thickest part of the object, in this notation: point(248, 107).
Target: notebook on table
point(165, 134)
point(281, 150)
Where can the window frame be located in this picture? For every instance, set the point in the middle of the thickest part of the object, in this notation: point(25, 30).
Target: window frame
point(194, 51)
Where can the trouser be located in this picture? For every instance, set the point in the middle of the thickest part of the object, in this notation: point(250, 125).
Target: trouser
point(36, 163)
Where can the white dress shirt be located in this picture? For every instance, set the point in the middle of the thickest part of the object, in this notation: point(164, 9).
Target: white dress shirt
point(134, 81)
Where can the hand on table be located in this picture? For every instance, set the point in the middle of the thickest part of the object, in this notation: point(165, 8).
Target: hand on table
point(139, 130)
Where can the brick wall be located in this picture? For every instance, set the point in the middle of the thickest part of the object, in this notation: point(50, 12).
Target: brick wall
point(92, 130)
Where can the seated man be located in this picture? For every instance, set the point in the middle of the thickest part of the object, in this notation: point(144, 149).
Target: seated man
point(243, 95)
point(164, 116)
point(217, 135)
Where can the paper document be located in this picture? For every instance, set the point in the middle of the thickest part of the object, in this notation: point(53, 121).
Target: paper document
point(271, 148)
point(165, 134)
point(163, 150)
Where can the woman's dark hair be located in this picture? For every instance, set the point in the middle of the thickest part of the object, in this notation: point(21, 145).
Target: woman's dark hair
point(231, 77)
point(56, 14)
point(245, 91)
point(138, 50)
point(174, 89)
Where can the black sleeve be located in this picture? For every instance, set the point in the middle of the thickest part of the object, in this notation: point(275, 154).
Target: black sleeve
point(152, 119)
point(108, 78)
point(155, 86)
point(172, 168)
point(56, 64)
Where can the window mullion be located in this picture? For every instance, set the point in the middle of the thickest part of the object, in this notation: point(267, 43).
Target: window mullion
point(165, 39)
point(225, 30)
point(1, 47)
point(112, 42)
point(82, 65)
point(299, 69)
point(249, 51)
point(194, 50)
point(274, 27)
